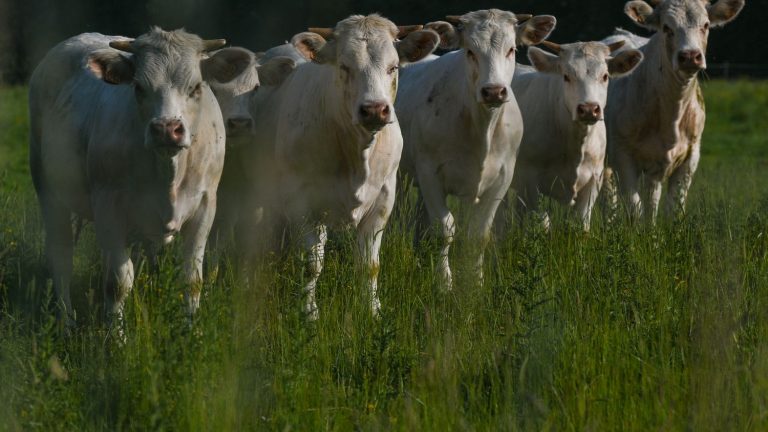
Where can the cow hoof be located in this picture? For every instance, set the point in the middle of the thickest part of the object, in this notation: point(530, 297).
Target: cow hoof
point(311, 312)
point(376, 307)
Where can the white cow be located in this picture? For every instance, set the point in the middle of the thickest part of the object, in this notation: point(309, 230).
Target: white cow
point(129, 134)
point(655, 117)
point(337, 142)
point(233, 97)
point(563, 100)
point(461, 123)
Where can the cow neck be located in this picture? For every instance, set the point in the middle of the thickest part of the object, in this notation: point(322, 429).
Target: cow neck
point(672, 93)
point(483, 119)
point(573, 134)
point(355, 145)
point(169, 174)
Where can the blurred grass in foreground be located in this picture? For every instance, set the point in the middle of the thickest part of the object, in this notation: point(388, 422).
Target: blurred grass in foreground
point(628, 328)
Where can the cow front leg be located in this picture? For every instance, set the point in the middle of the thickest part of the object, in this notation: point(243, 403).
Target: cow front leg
point(480, 224)
point(434, 199)
point(680, 183)
point(369, 234)
point(314, 245)
point(111, 232)
point(195, 236)
point(58, 253)
point(118, 280)
point(653, 190)
point(629, 184)
point(585, 201)
point(368, 246)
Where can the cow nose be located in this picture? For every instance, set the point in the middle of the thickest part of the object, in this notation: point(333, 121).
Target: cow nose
point(589, 112)
point(374, 115)
point(168, 131)
point(691, 59)
point(237, 124)
point(494, 94)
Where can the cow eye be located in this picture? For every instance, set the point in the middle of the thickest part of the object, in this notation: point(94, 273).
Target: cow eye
point(605, 78)
point(196, 91)
point(566, 78)
point(705, 27)
point(344, 68)
point(668, 30)
point(511, 52)
point(138, 90)
point(392, 70)
point(471, 55)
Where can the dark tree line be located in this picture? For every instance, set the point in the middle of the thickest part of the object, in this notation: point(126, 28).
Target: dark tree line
point(28, 28)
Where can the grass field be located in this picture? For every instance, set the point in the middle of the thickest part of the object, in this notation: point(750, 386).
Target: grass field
point(629, 328)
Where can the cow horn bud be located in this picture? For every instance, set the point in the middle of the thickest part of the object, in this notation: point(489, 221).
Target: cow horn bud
point(552, 46)
point(404, 31)
point(325, 32)
point(616, 45)
point(122, 45)
point(523, 17)
point(213, 44)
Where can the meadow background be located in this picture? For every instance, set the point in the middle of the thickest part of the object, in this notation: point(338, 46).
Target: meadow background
point(630, 327)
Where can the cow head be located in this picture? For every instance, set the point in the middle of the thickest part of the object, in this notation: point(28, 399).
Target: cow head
point(584, 69)
point(169, 72)
point(366, 52)
point(234, 96)
point(685, 25)
point(489, 40)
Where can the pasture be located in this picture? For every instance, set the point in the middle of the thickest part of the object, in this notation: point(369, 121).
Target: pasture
point(631, 327)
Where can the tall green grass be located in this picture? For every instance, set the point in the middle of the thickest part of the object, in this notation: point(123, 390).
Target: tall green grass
point(628, 328)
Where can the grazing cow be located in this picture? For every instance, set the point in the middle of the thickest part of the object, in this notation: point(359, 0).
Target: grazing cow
point(128, 133)
point(563, 100)
point(336, 140)
point(461, 124)
point(233, 98)
point(655, 117)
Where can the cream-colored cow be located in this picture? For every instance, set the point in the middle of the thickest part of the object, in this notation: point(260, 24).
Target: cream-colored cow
point(128, 133)
point(655, 117)
point(562, 98)
point(461, 123)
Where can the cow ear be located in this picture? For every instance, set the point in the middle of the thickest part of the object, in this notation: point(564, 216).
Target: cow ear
point(535, 30)
point(450, 37)
point(226, 64)
point(642, 14)
point(308, 44)
point(624, 63)
point(724, 11)
point(111, 66)
point(275, 70)
point(544, 61)
point(417, 45)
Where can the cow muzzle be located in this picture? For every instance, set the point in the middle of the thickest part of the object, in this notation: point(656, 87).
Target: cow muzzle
point(238, 126)
point(589, 113)
point(690, 61)
point(168, 134)
point(375, 115)
point(494, 95)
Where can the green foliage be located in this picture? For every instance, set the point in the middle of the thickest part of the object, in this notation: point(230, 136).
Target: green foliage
point(631, 327)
